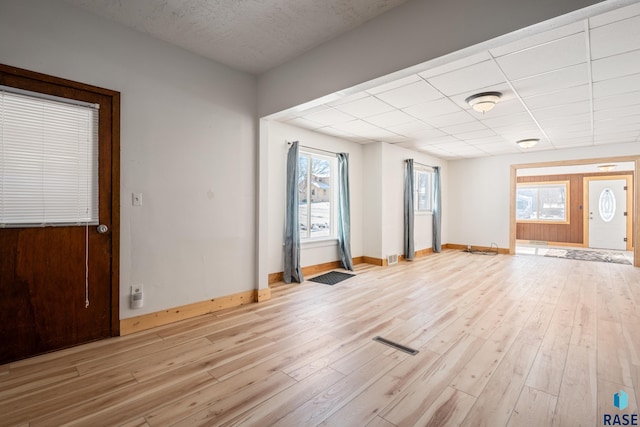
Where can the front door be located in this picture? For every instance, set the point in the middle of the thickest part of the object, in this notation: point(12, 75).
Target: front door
point(58, 281)
point(607, 213)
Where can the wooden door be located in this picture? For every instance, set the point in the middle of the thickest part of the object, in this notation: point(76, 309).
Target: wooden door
point(47, 274)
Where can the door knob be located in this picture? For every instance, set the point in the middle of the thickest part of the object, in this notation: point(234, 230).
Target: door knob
point(102, 229)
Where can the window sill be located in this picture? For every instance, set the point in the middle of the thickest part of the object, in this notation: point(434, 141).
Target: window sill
point(318, 243)
point(423, 213)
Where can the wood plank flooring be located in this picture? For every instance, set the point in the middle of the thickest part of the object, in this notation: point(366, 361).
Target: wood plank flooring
point(503, 341)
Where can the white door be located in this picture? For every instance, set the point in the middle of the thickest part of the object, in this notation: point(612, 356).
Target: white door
point(607, 209)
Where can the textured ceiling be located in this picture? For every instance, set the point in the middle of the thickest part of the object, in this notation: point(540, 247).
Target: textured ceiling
point(574, 86)
point(249, 35)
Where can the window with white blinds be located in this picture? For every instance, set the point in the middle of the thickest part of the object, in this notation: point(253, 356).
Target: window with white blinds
point(48, 161)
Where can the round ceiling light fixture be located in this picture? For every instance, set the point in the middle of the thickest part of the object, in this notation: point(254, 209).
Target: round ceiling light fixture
point(528, 143)
point(607, 168)
point(483, 102)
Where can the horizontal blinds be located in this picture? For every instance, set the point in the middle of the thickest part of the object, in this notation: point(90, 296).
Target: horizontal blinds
point(48, 162)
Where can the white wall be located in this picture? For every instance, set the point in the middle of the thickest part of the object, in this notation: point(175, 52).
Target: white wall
point(411, 34)
point(312, 253)
point(373, 200)
point(478, 191)
point(188, 144)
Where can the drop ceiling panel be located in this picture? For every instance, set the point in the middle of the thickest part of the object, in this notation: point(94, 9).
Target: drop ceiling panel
point(565, 78)
point(616, 66)
point(538, 39)
point(473, 136)
point(453, 146)
point(432, 109)
point(455, 65)
point(468, 79)
point(601, 128)
point(340, 134)
point(423, 135)
point(394, 84)
point(566, 129)
point(573, 143)
point(616, 86)
point(464, 128)
point(364, 129)
point(564, 96)
point(498, 148)
point(616, 101)
point(618, 37)
point(447, 139)
point(329, 117)
point(487, 140)
point(564, 121)
point(365, 107)
point(470, 152)
point(547, 57)
point(561, 134)
point(616, 138)
point(451, 119)
point(411, 94)
point(410, 127)
point(563, 110)
point(349, 98)
point(391, 118)
point(304, 123)
point(395, 139)
point(615, 15)
point(516, 134)
point(617, 113)
point(510, 120)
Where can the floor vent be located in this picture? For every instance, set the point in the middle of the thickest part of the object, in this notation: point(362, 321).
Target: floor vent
point(392, 259)
point(396, 345)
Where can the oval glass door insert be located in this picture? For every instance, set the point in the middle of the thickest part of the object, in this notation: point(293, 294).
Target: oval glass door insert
point(607, 205)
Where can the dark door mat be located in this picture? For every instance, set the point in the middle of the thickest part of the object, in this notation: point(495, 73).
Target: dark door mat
point(602, 256)
point(331, 278)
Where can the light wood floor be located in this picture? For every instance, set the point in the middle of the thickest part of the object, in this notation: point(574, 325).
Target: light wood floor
point(504, 341)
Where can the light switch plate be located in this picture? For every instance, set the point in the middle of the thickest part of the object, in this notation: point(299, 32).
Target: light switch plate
point(136, 199)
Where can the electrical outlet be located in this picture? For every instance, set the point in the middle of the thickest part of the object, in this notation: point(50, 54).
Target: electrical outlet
point(137, 295)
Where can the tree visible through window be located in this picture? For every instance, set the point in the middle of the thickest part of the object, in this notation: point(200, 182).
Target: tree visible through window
point(315, 194)
point(542, 202)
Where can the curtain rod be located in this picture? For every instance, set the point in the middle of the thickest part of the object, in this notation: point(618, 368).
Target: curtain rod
point(312, 148)
point(423, 164)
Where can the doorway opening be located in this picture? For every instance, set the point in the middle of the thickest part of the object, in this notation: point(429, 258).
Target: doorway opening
point(576, 209)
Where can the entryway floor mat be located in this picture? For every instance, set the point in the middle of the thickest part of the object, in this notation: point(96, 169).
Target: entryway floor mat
point(331, 278)
point(601, 256)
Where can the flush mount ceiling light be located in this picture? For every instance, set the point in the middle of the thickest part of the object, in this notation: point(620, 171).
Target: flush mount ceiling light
point(528, 143)
point(607, 168)
point(483, 102)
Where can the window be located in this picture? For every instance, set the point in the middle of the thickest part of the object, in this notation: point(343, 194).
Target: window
point(48, 160)
point(543, 202)
point(315, 195)
point(423, 191)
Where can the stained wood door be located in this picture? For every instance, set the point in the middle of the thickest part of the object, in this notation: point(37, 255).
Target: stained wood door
point(44, 271)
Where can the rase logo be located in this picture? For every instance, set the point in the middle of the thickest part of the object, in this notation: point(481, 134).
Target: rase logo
point(620, 401)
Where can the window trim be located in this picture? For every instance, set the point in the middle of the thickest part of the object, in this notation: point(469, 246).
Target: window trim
point(333, 231)
point(567, 208)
